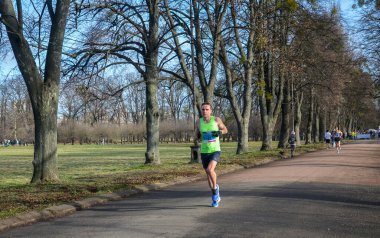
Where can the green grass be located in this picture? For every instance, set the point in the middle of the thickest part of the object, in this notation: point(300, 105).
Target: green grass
point(86, 170)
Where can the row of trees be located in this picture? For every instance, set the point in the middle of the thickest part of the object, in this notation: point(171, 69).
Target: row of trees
point(286, 62)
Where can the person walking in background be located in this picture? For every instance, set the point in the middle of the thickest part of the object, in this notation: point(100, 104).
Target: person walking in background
point(338, 138)
point(292, 143)
point(328, 138)
point(208, 129)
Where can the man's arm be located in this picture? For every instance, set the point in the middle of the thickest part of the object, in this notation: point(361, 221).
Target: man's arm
point(221, 126)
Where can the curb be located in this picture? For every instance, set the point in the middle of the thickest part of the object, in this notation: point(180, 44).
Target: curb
point(70, 208)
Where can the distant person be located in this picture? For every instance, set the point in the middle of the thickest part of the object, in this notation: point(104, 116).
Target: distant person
point(292, 143)
point(338, 138)
point(354, 134)
point(328, 138)
point(208, 129)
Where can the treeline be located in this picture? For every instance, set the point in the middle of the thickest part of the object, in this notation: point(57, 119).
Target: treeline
point(268, 67)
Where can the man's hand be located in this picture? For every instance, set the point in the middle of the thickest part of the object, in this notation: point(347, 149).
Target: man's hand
point(216, 133)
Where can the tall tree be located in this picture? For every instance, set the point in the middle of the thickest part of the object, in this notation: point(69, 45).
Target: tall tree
point(136, 36)
point(271, 41)
point(43, 87)
point(237, 57)
point(285, 23)
point(319, 53)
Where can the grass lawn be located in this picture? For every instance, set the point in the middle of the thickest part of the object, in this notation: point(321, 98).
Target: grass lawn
point(88, 170)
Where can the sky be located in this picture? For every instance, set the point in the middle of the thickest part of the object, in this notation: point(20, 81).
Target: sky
point(350, 16)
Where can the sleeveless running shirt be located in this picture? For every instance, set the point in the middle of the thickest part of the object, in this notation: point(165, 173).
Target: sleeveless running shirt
point(210, 143)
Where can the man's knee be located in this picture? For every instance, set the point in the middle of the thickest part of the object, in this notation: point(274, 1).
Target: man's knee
point(208, 171)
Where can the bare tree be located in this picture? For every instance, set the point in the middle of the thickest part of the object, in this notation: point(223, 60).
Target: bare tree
point(319, 61)
point(207, 21)
point(43, 86)
point(135, 40)
point(369, 31)
point(240, 73)
point(270, 70)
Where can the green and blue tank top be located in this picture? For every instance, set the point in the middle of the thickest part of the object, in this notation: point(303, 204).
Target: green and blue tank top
point(210, 143)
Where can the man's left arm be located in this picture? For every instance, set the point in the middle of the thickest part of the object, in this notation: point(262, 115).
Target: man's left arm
point(221, 126)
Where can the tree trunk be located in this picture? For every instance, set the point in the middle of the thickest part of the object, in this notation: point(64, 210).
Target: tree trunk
point(152, 123)
point(298, 116)
point(350, 123)
point(267, 136)
point(46, 139)
point(322, 127)
point(43, 93)
point(269, 107)
point(285, 117)
point(316, 124)
point(151, 78)
point(242, 116)
point(242, 145)
point(310, 118)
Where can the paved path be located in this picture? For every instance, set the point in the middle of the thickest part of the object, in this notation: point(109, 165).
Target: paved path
point(320, 194)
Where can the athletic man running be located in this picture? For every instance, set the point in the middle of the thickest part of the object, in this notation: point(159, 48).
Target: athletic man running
point(338, 138)
point(208, 129)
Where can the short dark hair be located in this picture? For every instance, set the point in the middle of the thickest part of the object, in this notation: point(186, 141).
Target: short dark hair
point(207, 103)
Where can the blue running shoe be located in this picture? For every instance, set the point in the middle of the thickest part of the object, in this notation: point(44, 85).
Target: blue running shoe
point(215, 200)
point(215, 197)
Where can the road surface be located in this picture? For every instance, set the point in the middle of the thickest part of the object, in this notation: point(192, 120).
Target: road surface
point(319, 194)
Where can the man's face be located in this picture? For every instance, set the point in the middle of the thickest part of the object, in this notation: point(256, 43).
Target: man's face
point(206, 111)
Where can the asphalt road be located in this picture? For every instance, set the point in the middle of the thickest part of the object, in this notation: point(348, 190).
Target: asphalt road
point(320, 194)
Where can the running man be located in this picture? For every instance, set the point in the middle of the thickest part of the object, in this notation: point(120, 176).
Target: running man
point(338, 138)
point(208, 129)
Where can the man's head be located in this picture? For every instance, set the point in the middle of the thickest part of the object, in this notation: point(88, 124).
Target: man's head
point(206, 110)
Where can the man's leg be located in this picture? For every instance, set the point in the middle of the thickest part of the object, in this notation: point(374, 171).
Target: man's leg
point(293, 149)
point(211, 175)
